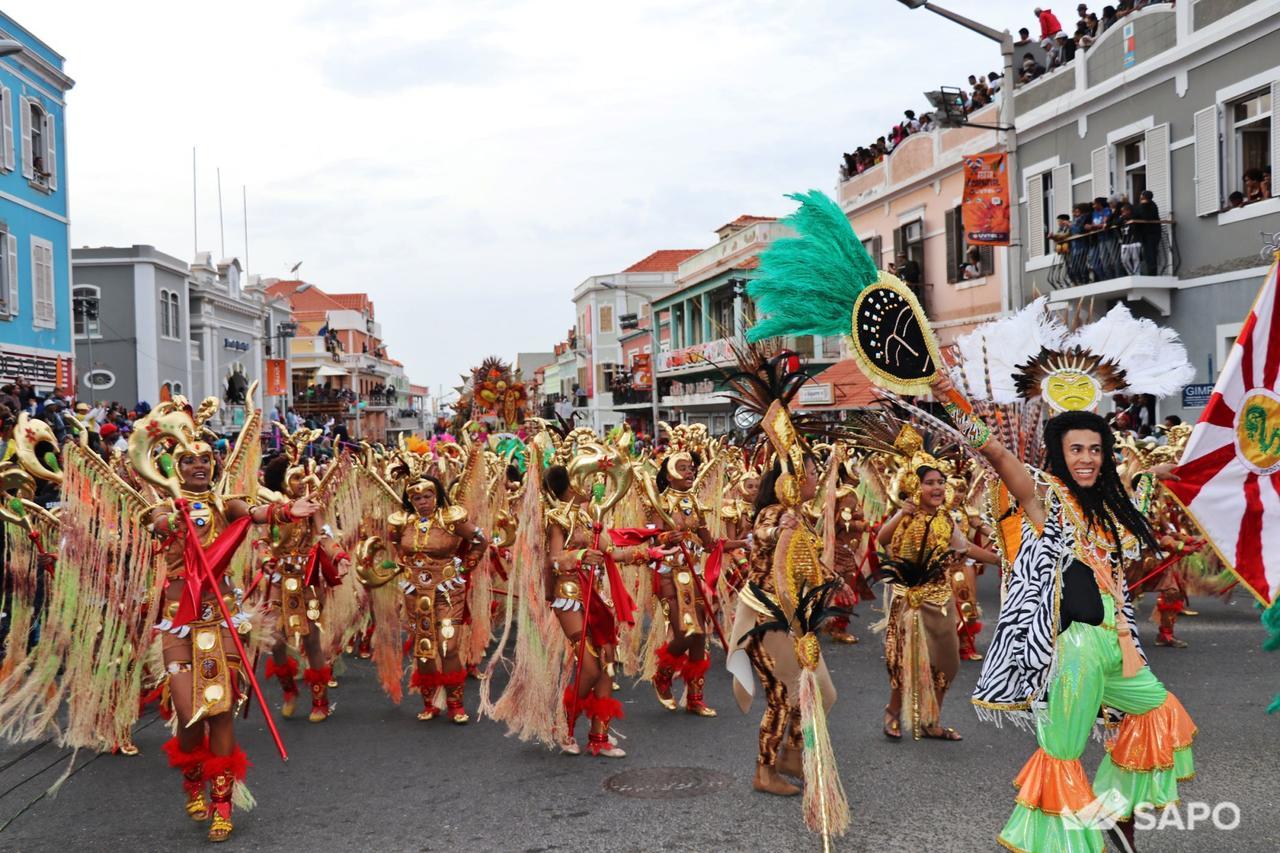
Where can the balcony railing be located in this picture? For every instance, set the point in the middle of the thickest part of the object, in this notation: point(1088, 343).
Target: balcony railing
point(1142, 247)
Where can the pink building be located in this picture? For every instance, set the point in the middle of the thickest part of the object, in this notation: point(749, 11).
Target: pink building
point(909, 205)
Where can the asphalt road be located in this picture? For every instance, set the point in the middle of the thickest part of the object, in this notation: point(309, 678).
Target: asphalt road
point(374, 778)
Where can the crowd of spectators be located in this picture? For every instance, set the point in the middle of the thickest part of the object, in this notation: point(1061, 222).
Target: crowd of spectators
point(1111, 237)
point(1053, 48)
point(1059, 46)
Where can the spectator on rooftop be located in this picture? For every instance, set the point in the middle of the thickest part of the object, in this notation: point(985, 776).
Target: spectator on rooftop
point(1095, 27)
point(1109, 18)
point(1049, 24)
point(1024, 37)
point(1030, 69)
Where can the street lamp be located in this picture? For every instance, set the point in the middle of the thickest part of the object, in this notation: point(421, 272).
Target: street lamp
point(653, 354)
point(1005, 121)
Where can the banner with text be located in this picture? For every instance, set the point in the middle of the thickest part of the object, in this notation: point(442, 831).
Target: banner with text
point(985, 203)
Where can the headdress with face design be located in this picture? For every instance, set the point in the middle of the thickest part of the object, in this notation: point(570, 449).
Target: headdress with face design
point(1033, 354)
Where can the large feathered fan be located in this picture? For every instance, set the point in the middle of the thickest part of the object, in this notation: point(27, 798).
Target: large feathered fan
point(823, 282)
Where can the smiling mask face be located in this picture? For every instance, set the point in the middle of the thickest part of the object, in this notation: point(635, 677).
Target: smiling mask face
point(1071, 391)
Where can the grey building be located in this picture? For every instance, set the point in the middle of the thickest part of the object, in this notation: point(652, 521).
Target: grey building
point(230, 333)
point(148, 327)
point(1184, 102)
point(131, 324)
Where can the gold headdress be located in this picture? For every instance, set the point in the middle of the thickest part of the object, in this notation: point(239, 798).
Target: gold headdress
point(912, 457)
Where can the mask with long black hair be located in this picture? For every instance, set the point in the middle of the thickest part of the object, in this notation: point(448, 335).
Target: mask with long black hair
point(1107, 497)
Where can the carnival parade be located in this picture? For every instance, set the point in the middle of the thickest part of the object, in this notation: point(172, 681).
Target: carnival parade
point(815, 539)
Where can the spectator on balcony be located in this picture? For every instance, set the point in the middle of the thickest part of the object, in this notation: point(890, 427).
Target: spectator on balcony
point(1082, 11)
point(908, 270)
point(1253, 185)
point(1109, 18)
point(911, 124)
point(993, 82)
point(1147, 223)
point(1094, 25)
point(1024, 37)
point(926, 123)
point(972, 266)
point(1049, 24)
point(1235, 200)
point(1130, 245)
point(1102, 248)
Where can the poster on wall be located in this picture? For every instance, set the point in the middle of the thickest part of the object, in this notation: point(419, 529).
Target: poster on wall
point(985, 203)
point(641, 371)
point(277, 378)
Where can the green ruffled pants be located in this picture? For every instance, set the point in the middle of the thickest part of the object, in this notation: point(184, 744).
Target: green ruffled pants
point(1151, 751)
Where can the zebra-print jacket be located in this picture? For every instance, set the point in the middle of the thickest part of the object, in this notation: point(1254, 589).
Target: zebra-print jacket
point(1019, 666)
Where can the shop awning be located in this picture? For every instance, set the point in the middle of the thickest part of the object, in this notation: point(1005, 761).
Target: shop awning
point(325, 370)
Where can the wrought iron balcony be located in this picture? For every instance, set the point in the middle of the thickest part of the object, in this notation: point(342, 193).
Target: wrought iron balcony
point(1139, 248)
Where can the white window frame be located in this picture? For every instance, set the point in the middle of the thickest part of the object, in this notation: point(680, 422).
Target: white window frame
point(170, 319)
point(96, 334)
point(7, 159)
point(1234, 154)
point(8, 275)
point(84, 380)
point(1124, 167)
point(44, 305)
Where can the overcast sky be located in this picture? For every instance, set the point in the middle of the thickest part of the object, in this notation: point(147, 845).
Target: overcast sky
point(469, 163)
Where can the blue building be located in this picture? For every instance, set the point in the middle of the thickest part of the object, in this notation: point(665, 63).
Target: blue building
point(36, 322)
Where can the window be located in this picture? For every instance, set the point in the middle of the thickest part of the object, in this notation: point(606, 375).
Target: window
point(1249, 141)
point(958, 249)
point(99, 379)
point(1131, 162)
point(170, 315)
point(606, 318)
point(85, 302)
point(645, 310)
point(39, 144)
point(909, 241)
point(42, 284)
point(6, 105)
point(874, 249)
point(8, 276)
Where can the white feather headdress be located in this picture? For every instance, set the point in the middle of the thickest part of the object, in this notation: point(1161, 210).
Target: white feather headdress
point(991, 354)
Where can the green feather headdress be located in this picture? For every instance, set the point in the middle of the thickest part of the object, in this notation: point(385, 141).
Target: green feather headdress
point(807, 284)
point(823, 282)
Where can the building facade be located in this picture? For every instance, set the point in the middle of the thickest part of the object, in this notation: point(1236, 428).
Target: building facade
point(600, 303)
point(1181, 101)
point(703, 315)
point(132, 324)
point(339, 365)
point(907, 209)
point(148, 327)
point(35, 270)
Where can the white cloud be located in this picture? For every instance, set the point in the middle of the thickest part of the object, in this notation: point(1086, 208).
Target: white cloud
point(469, 163)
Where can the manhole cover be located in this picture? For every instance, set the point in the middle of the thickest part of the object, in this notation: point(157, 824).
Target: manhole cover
point(667, 783)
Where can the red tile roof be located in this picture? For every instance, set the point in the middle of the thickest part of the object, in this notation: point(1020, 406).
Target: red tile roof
point(663, 260)
point(354, 301)
point(746, 219)
point(850, 389)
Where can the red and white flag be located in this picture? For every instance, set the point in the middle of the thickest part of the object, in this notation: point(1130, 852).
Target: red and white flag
point(1229, 477)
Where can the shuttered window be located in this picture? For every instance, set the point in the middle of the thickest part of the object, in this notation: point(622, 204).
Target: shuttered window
point(42, 283)
point(1208, 178)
